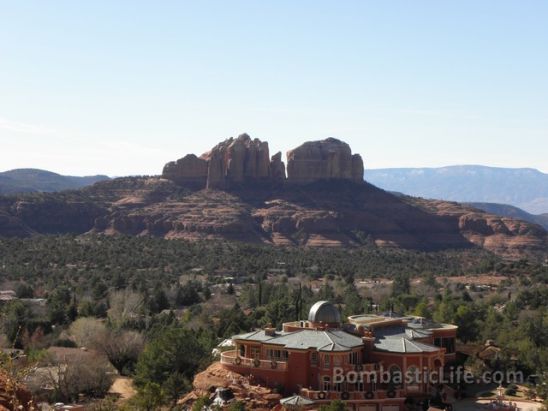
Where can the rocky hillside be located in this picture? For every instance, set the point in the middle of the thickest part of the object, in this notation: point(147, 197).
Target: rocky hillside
point(28, 180)
point(513, 212)
point(237, 192)
point(256, 397)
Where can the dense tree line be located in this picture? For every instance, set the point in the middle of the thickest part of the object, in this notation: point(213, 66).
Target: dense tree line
point(119, 295)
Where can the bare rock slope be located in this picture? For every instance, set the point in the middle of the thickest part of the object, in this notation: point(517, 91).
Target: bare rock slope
point(215, 376)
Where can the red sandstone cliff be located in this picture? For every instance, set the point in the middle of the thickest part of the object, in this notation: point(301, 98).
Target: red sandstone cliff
point(323, 202)
point(236, 162)
point(323, 160)
point(231, 163)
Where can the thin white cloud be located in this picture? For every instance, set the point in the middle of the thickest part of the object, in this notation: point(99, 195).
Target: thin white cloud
point(20, 127)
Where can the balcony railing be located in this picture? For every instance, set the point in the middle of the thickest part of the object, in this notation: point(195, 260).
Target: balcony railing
point(232, 358)
point(351, 395)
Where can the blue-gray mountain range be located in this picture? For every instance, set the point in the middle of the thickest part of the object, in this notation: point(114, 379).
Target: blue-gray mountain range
point(28, 180)
point(525, 188)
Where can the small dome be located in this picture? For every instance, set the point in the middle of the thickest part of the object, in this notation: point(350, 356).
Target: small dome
point(324, 311)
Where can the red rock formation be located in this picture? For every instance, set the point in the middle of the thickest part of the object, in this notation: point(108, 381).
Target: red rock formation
point(237, 161)
point(335, 214)
point(277, 167)
point(357, 168)
point(231, 163)
point(189, 171)
point(332, 212)
point(255, 395)
point(323, 160)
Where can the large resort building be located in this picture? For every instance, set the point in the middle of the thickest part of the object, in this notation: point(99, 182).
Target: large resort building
point(365, 362)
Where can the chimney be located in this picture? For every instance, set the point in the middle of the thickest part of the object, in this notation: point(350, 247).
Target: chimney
point(368, 339)
point(270, 331)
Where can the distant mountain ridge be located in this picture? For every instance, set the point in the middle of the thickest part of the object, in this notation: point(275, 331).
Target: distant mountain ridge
point(28, 180)
point(525, 188)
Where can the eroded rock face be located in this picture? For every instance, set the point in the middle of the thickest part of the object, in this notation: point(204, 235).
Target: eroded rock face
point(327, 159)
point(189, 171)
point(357, 168)
point(254, 391)
point(237, 161)
point(277, 167)
point(231, 163)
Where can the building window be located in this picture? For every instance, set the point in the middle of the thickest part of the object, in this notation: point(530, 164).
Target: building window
point(326, 386)
point(447, 343)
point(396, 376)
point(326, 361)
point(353, 358)
point(414, 378)
point(314, 357)
point(277, 355)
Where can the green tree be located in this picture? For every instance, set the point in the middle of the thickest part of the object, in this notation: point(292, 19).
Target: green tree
point(465, 319)
point(23, 290)
point(187, 295)
point(170, 360)
point(401, 285)
point(422, 310)
point(200, 403)
point(149, 397)
point(61, 307)
point(14, 317)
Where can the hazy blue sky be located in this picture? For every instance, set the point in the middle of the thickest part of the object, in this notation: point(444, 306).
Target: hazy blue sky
point(121, 87)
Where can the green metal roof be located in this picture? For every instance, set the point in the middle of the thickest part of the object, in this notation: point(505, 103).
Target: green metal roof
point(403, 345)
point(329, 340)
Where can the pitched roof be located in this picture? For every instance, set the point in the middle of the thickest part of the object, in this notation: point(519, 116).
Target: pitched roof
point(296, 400)
point(399, 331)
point(403, 345)
point(329, 340)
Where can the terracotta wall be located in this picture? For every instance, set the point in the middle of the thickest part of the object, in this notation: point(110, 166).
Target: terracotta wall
point(299, 370)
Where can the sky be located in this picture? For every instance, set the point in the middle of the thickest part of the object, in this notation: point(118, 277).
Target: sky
point(122, 87)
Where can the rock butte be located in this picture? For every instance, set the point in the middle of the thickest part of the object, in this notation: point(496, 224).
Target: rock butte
point(243, 161)
point(238, 192)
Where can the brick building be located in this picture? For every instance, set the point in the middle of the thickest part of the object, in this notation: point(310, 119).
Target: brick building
point(372, 362)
